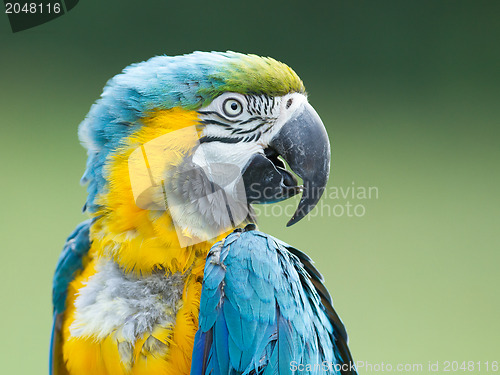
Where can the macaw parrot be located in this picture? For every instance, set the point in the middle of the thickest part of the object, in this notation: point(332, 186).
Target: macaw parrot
point(170, 274)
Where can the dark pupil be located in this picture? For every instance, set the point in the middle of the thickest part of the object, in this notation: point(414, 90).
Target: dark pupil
point(234, 106)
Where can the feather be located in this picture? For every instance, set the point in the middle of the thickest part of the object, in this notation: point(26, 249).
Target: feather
point(275, 308)
point(286, 347)
point(222, 349)
point(70, 262)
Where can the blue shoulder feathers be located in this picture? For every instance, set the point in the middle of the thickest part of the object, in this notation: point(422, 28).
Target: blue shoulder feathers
point(265, 310)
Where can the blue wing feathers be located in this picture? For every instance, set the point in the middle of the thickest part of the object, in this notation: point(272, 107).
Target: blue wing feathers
point(288, 350)
point(70, 261)
point(222, 345)
point(264, 305)
point(272, 366)
point(200, 353)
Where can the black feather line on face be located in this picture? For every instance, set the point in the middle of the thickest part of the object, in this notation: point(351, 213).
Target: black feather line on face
point(250, 120)
point(243, 131)
point(267, 129)
point(248, 103)
point(208, 139)
point(252, 105)
point(266, 104)
point(214, 122)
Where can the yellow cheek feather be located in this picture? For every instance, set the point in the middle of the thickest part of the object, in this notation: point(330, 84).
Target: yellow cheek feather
point(140, 241)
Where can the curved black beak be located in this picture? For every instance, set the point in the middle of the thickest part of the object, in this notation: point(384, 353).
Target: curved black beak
point(303, 143)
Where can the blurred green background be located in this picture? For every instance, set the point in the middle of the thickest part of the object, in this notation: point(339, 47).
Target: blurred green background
point(409, 91)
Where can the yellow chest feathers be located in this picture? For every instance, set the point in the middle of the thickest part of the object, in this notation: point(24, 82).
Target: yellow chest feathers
point(122, 323)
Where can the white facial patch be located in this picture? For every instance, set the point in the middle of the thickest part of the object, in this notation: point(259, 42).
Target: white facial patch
point(217, 152)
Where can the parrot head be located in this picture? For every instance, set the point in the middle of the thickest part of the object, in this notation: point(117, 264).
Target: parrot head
point(201, 134)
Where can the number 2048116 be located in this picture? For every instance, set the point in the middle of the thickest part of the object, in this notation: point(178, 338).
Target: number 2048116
point(470, 366)
point(32, 8)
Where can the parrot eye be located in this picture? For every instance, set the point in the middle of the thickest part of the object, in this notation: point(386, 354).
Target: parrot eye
point(232, 107)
